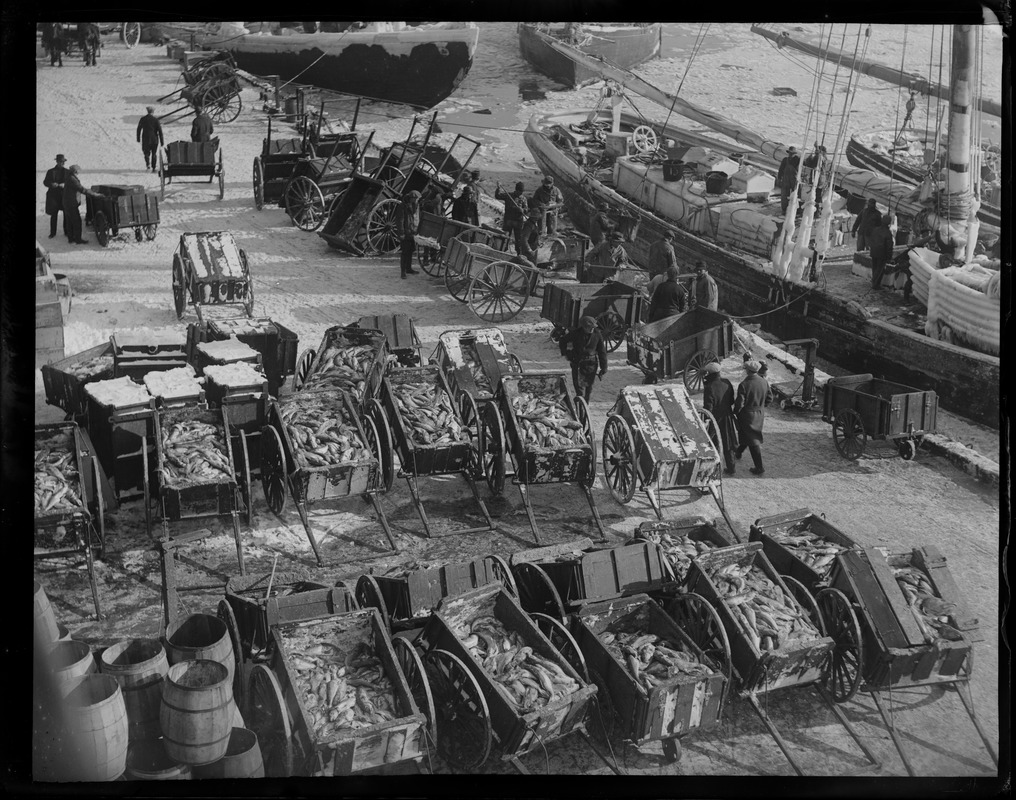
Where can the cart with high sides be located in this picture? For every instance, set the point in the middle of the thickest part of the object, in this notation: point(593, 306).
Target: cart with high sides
point(274, 167)
point(350, 359)
point(610, 303)
point(436, 232)
point(65, 380)
point(209, 269)
point(316, 184)
point(192, 160)
point(400, 336)
point(277, 344)
point(121, 207)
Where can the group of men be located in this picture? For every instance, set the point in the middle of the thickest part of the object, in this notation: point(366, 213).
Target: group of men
point(55, 36)
point(63, 193)
point(529, 218)
point(815, 170)
point(149, 133)
point(740, 416)
point(873, 234)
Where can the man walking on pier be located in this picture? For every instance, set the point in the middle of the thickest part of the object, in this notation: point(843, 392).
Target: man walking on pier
point(718, 399)
point(150, 136)
point(750, 410)
point(586, 351)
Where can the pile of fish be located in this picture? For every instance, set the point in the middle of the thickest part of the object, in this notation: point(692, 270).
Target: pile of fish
point(426, 409)
point(118, 393)
point(679, 550)
point(234, 375)
point(933, 614)
point(170, 383)
point(321, 432)
point(193, 453)
point(813, 549)
point(56, 475)
point(546, 422)
point(344, 368)
point(341, 689)
point(653, 659)
point(529, 680)
point(769, 616)
point(91, 367)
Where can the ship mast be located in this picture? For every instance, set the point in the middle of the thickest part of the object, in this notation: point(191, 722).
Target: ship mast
point(958, 183)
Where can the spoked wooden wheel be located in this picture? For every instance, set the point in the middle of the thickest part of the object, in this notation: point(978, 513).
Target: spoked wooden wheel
point(806, 600)
point(458, 281)
point(612, 327)
point(269, 719)
point(645, 140)
point(179, 288)
point(492, 440)
point(302, 372)
point(225, 612)
point(563, 642)
point(259, 184)
point(582, 412)
point(149, 231)
point(619, 468)
point(601, 710)
point(499, 292)
point(849, 434)
point(464, 732)
point(273, 470)
point(501, 571)
point(162, 176)
point(537, 593)
point(221, 172)
point(382, 449)
point(429, 259)
point(701, 622)
point(392, 176)
point(305, 204)
point(695, 370)
point(843, 675)
point(130, 34)
point(383, 227)
point(712, 429)
point(244, 468)
point(220, 97)
point(368, 595)
point(470, 414)
point(101, 226)
point(248, 298)
point(419, 685)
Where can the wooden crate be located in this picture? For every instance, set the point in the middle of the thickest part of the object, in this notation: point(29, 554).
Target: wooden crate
point(276, 343)
point(676, 705)
point(416, 593)
point(693, 529)
point(400, 334)
point(117, 433)
point(138, 357)
point(783, 558)
point(77, 523)
point(342, 337)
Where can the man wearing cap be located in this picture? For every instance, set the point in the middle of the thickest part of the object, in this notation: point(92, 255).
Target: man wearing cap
point(601, 225)
point(749, 406)
point(72, 191)
point(549, 197)
point(880, 243)
point(150, 136)
point(706, 293)
point(409, 227)
point(718, 399)
point(462, 205)
point(786, 177)
point(54, 183)
point(514, 211)
point(661, 254)
point(866, 222)
point(202, 128)
point(529, 236)
point(587, 352)
point(669, 298)
point(814, 171)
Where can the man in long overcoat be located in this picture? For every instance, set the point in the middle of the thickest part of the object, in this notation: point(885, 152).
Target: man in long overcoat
point(409, 227)
point(749, 406)
point(718, 399)
point(150, 136)
point(661, 254)
point(54, 183)
point(72, 191)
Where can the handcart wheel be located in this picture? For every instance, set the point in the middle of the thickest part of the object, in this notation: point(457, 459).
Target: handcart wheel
point(499, 292)
point(101, 226)
point(602, 729)
point(699, 619)
point(149, 231)
point(672, 749)
point(464, 731)
point(582, 412)
point(712, 428)
point(563, 642)
point(130, 34)
point(162, 176)
point(305, 204)
point(493, 443)
point(470, 414)
point(303, 364)
point(644, 138)
point(612, 326)
point(273, 469)
point(383, 450)
point(138, 236)
point(179, 288)
point(619, 468)
point(501, 571)
point(392, 176)
point(537, 593)
point(695, 370)
point(383, 227)
point(429, 259)
point(458, 281)
point(222, 175)
point(419, 686)
point(848, 434)
point(368, 595)
point(269, 719)
point(225, 612)
point(248, 301)
point(843, 675)
point(245, 485)
point(907, 448)
point(806, 600)
point(259, 184)
point(514, 365)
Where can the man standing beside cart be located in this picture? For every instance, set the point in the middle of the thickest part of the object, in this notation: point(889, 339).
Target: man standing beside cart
point(202, 128)
point(669, 298)
point(514, 212)
point(587, 352)
point(549, 198)
point(409, 218)
point(749, 406)
point(706, 293)
point(718, 400)
point(54, 183)
point(72, 191)
point(150, 136)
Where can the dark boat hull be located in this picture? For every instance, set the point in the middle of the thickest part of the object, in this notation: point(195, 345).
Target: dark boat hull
point(626, 47)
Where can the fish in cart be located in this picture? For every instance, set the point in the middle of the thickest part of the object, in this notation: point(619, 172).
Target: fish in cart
point(343, 368)
point(680, 551)
point(428, 414)
point(933, 614)
point(194, 453)
point(546, 422)
point(811, 548)
point(93, 366)
point(319, 436)
point(56, 475)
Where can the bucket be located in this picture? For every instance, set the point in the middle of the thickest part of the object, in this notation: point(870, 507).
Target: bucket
point(147, 760)
point(717, 182)
point(197, 711)
point(672, 169)
point(200, 636)
point(94, 731)
point(46, 626)
point(69, 660)
point(139, 666)
point(242, 759)
point(292, 107)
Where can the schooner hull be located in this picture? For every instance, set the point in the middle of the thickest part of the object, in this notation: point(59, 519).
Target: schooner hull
point(624, 46)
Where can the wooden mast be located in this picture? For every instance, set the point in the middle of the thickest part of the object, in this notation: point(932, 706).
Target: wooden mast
point(958, 183)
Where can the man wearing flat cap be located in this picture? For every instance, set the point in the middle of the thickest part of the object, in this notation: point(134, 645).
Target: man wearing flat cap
point(718, 400)
point(54, 183)
point(587, 352)
point(514, 211)
point(150, 136)
point(661, 254)
point(749, 406)
point(550, 200)
point(706, 293)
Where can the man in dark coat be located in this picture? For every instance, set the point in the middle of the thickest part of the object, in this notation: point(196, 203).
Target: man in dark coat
point(150, 136)
point(550, 199)
point(514, 212)
point(409, 226)
point(587, 352)
point(814, 172)
point(54, 183)
point(881, 242)
point(866, 222)
point(718, 399)
point(529, 236)
point(661, 254)
point(601, 225)
point(72, 191)
point(749, 406)
point(786, 177)
point(669, 298)
point(202, 128)
point(706, 293)
point(90, 40)
point(53, 39)
point(461, 204)
point(609, 253)
point(473, 199)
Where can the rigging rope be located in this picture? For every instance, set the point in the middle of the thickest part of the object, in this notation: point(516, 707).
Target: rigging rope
point(897, 131)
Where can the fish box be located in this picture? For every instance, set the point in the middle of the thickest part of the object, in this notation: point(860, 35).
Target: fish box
point(224, 351)
point(64, 380)
point(276, 343)
point(400, 336)
point(415, 593)
point(199, 496)
point(329, 370)
point(137, 357)
point(474, 360)
point(769, 531)
point(117, 427)
point(672, 536)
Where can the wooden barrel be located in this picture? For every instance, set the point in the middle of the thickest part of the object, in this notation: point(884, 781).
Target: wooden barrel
point(46, 626)
point(94, 730)
point(200, 636)
point(197, 711)
point(69, 660)
point(147, 760)
point(139, 666)
point(242, 759)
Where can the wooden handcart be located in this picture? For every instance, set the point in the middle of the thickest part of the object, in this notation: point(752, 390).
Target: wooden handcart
point(64, 381)
point(474, 359)
point(136, 356)
point(860, 406)
point(329, 367)
point(212, 84)
point(276, 343)
point(679, 345)
point(273, 168)
point(680, 541)
point(881, 646)
point(502, 440)
point(338, 479)
point(316, 184)
point(210, 270)
point(437, 230)
point(419, 458)
point(610, 303)
point(192, 159)
point(121, 207)
point(400, 336)
point(281, 717)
